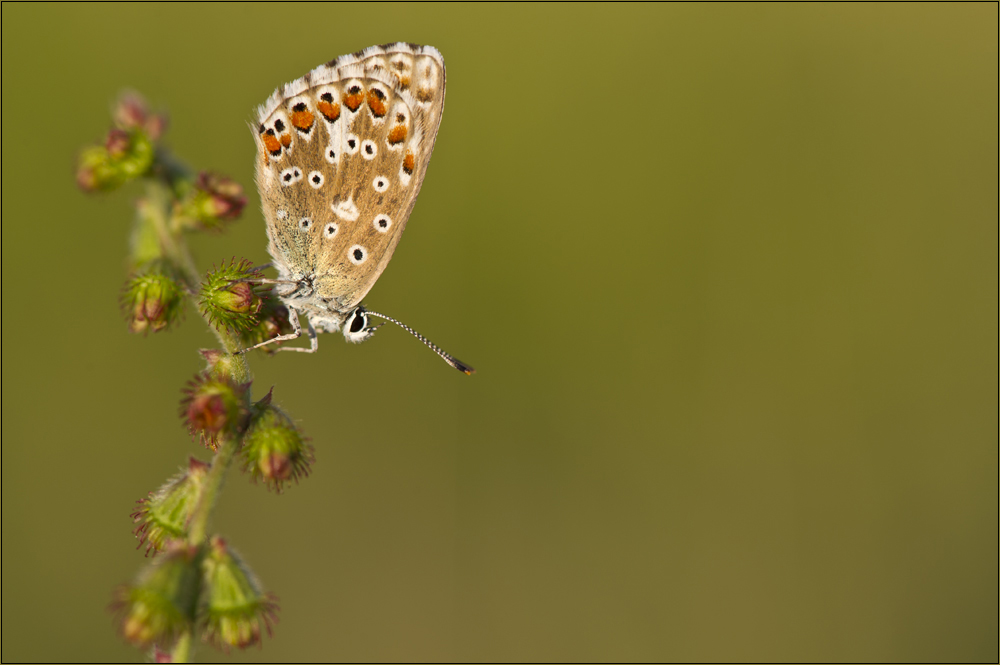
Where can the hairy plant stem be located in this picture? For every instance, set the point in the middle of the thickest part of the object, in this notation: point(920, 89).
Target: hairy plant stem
point(157, 211)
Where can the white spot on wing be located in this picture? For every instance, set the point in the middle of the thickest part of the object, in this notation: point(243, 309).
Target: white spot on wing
point(290, 176)
point(348, 141)
point(346, 210)
point(357, 254)
point(368, 149)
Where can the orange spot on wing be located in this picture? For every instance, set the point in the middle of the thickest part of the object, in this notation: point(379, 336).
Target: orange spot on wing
point(353, 100)
point(271, 143)
point(330, 111)
point(397, 134)
point(376, 102)
point(286, 140)
point(404, 82)
point(409, 161)
point(303, 119)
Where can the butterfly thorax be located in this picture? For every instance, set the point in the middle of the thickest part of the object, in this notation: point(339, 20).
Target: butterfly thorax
point(324, 314)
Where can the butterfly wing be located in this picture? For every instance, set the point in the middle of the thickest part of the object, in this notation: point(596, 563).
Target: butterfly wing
point(342, 153)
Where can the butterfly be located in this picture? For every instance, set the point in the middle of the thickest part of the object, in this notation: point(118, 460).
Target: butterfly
point(341, 156)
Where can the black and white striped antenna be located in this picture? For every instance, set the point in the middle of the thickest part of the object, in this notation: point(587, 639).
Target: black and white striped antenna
point(448, 358)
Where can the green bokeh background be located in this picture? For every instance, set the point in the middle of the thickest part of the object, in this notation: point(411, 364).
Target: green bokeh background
point(729, 276)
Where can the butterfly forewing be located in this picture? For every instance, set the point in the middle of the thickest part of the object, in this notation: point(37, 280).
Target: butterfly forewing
point(342, 155)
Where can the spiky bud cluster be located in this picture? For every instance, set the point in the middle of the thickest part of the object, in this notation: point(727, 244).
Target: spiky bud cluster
point(274, 449)
point(165, 514)
point(152, 300)
point(230, 299)
point(207, 586)
point(128, 150)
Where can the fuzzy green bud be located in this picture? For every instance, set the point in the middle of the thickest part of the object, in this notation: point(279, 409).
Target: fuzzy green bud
point(229, 298)
point(164, 515)
point(152, 301)
point(273, 448)
point(162, 603)
point(219, 364)
point(125, 155)
point(213, 200)
point(235, 611)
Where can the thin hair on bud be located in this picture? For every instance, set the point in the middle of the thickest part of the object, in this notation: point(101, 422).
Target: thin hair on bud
point(450, 359)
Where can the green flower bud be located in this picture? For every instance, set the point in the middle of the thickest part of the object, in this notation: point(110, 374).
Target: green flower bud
point(162, 602)
point(273, 448)
point(235, 611)
point(152, 301)
point(125, 155)
point(164, 515)
point(229, 299)
point(213, 407)
point(213, 200)
point(219, 364)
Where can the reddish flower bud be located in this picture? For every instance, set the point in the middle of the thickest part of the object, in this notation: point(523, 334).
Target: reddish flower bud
point(213, 407)
point(131, 111)
point(152, 301)
point(224, 194)
point(156, 126)
point(212, 200)
point(117, 143)
point(273, 449)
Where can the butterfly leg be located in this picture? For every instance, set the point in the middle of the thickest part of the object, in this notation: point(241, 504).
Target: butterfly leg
point(293, 319)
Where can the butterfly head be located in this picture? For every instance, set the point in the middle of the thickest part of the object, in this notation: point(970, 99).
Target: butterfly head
point(356, 329)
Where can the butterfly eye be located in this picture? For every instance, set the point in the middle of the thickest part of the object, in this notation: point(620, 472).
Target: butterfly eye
point(356, 328)
point(382, 223)
point(358, 322)
point(330, 230)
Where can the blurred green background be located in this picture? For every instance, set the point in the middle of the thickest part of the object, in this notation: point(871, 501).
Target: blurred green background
point(729, 277)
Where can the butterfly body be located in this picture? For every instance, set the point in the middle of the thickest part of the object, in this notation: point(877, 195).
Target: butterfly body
point(341, 156)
